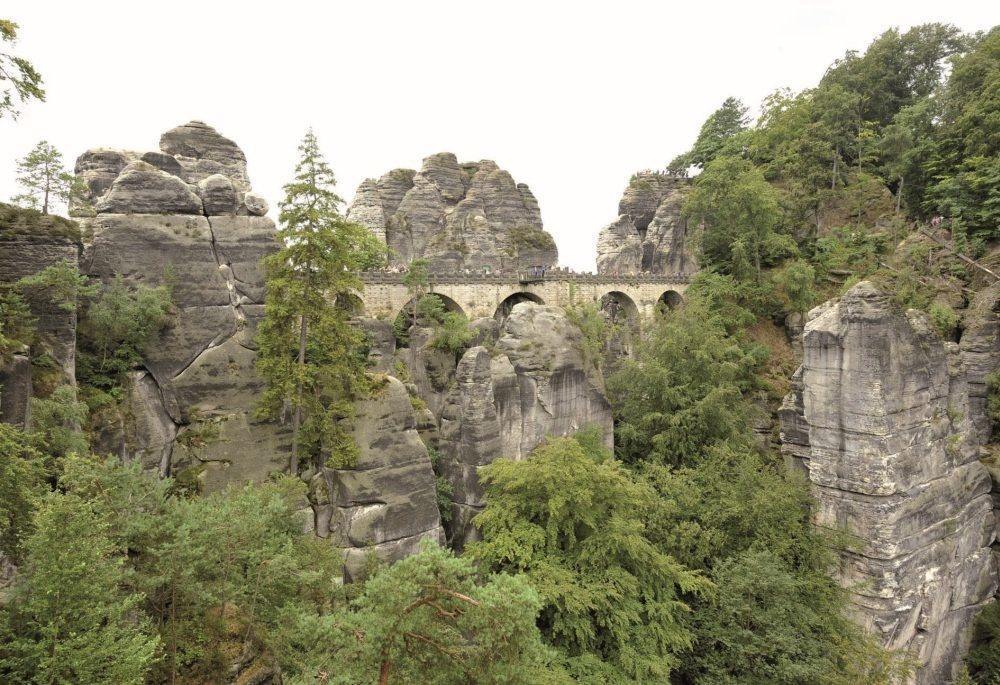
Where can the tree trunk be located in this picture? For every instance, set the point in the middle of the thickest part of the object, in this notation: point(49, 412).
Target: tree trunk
point(45, 200)
point(293, 466)
point(899, 193)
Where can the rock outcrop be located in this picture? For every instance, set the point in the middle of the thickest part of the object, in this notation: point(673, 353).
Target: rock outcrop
point(29, 243)
point(184, 216)
point(874, 419)
point(650, 235)
point(457, 216)
point(537, 383)
point(386, 503)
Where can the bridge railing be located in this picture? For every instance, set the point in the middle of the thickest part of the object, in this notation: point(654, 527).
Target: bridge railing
point(550, 275)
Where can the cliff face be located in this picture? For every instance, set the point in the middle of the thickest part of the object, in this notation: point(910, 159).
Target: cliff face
point(649, 235)
point(29, 243)
point(884, 422)
point(535, 384)
point(457, 216)
point(184, 215)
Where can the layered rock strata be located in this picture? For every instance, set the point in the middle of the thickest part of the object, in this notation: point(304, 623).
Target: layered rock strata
point(184, 216)
point(650, 234)
point(469, 215)
point(387, 503)
point(875, 419)
point(29, 243)
point(536, 383)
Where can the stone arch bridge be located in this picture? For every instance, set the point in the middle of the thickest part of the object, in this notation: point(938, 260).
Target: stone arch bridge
point(486, 295)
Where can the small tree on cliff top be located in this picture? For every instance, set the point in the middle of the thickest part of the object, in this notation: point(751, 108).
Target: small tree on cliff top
point(44, 180)
point(311, 358)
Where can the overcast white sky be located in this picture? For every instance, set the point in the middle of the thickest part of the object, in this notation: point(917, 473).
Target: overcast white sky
point(570, 97)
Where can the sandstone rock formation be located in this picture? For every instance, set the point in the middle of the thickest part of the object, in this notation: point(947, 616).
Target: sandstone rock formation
point(457, 216)
point(536, 384)
point(386, 503)
point(875, 419)
point(649, 235)
point(29, 243)
point(183, 215)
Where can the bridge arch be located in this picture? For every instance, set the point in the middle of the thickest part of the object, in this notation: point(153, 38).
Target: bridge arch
point(507, 304)
point(406, 312)
point(620, 308)
point(670, 299)
point(350, 303)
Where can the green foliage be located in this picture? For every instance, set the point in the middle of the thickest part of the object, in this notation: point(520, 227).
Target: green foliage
point(57, 421)
point(526, 238)
point(442, 487)
point(20, 82)
point(944, 319)
point(310, 356)
point(115, 329)
point(17, 325)
point(21, 485)
point(680, 392)
point(44, 181)
point(430, 618)
point(451, 331)
point(740, 212)
point(984, 655)
point(796, 281)
point(211, 567)
point(62, 284)
point(571, 519)
point(718, 131)
point(772, 624)
point(596, 330)
point(993, 400)
point(71, 618)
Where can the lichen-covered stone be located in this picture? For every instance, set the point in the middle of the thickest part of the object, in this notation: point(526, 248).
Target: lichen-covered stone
point(619, 250)
point(29, 243)
point(217, 195)
point(203, 151)
point(892, 463)
point(141, 188)
point(650, 234)
point(386, 503)
point(201, 366)
point(457, 216)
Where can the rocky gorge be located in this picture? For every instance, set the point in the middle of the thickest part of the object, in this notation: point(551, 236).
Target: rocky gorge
point(886, 420)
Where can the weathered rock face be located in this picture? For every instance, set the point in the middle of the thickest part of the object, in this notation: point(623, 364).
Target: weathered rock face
point(184, 216)
point(457, 216)
point(537, 384)
point(30, 242)
point(15, 391)
point(892, 462)
point(650, 235)
point(387, 502)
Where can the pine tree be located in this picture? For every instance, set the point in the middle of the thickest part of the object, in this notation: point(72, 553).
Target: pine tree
point(44, 179)
point(25, 81)
point(71, 618)
point(310, 356)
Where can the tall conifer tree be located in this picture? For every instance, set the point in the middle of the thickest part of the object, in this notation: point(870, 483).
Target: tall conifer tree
point(311, 357)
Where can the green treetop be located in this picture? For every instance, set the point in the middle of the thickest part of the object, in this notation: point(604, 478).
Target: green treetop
point(19, 81)
point(310, 356)
point(720, 127)
point(44, 180)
